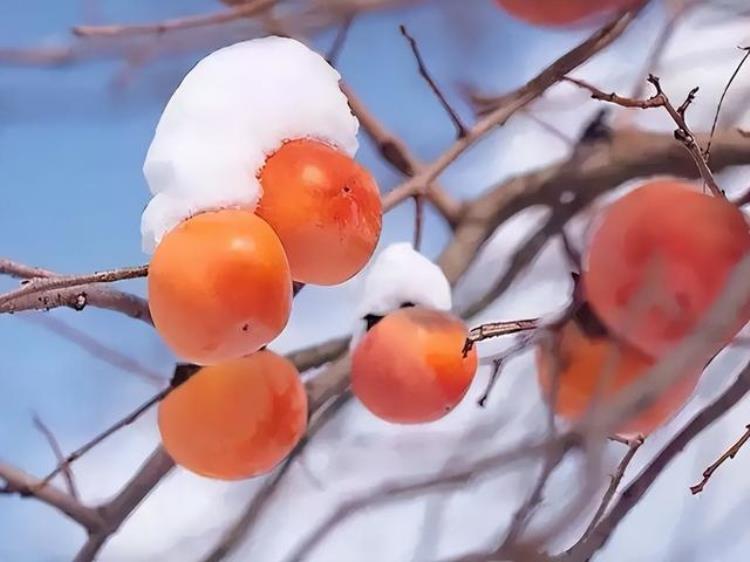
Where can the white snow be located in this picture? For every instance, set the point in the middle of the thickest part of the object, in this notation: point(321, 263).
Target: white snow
point(233, 109)
point(398, 275)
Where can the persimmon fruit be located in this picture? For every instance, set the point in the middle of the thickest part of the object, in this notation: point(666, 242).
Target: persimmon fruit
point(599, 367)
point(237, 419)
point(561, 12)
point(659, 258)
point(219, 286)
point(324, 206)
point(410, 366)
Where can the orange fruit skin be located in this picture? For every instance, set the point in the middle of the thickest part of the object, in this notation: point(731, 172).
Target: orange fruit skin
point(583, 361)
point(659, 258)
point(325, 207)
point(560, 12)
point(219, 286)
point(237, 419)
point(409, 368)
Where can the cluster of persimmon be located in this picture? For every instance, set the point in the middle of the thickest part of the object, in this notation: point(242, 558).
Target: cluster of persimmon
point(655, 264)
point(562, 12)
point(231, 231)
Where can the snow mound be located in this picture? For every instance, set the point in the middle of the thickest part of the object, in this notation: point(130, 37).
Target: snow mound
point(400, 275)
point(233, 109)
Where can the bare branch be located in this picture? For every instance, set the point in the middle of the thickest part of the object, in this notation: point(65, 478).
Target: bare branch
point(114, 512)
point(59, 456)
point(245, 10)
point(418, 221)
point(499, 362)
point(318, 354)
point(660, 99)
point(97, 349)
point(498, 329)
point(64, 465)
point(446, 480)
point(18, 482)
point(397, 154)
point(339, 41)
point(75, 297)
point(640, 485)
point(603, 167)
point(424, 73)
point(523, 515)
point(511, 104)
point(729, 454)
point(721, 100)
point(615, 479)
point(611, 97)
point(37, 285)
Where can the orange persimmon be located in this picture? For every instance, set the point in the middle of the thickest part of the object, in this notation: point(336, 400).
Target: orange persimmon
point(237, 419)
point(598, 366)
point(325, 208)
point(659, 258)
point(410, 366)
point(219, 286)
point(561, 12)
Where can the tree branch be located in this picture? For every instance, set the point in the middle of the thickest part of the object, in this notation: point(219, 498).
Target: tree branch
point(114, 512)
point(425, 74)
point(728, 455)
point(59, 455)
point(633, 494)
point(519, 99)
point(76, 297)
point(18, 482)
point(246, 10)
point(660, 99)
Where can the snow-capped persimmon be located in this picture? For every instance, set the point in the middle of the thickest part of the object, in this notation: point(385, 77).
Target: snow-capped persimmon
point(599, 367)
point(561, 12)
point(410, 366)
point(659, 258)
point(219, 286)
point(237, 419)
point(324, 206)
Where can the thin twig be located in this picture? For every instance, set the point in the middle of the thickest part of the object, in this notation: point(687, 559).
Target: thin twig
point(499, 362)
point(248, 9)
point(461, 129)
point(524, 513)
point(660, 99)
point(392, 491)
point(116, 511)
point(615, 479)
point(585, 548)
point(550, 128)
point(721, 100)
point(77, 297)
point(418, 221)
point(96, 348)
point(40, 284)
point(339, 41)
point(728, 455)
point(59, 455)
point(65, 463)
point(498, 329)
point(18, 482)
point(511, 104)
point(394, 151)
